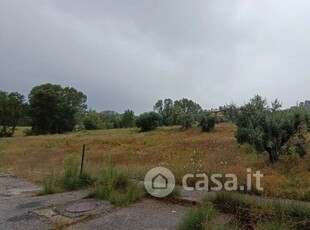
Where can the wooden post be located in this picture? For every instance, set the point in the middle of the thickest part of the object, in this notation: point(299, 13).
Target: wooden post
point(82, 162)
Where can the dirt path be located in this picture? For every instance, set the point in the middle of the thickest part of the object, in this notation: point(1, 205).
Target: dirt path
point(20, 208)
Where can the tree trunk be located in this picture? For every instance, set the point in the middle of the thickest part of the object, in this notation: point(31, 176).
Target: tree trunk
point(273, 155)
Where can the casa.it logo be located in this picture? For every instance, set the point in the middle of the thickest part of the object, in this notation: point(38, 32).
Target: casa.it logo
point(159, 182)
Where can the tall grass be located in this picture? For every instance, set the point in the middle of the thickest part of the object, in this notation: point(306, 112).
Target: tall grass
point(182, 152)
point(69, 179)
point(199, 218)
point(110, 184)
point(116, 186)
point(253, 212)
point(248, 213)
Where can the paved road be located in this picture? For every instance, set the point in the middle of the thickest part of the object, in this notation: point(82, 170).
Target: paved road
point(149, 214)
point(18, 202)
point(21, 209)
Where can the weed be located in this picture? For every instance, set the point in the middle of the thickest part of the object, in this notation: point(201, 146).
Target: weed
point(50, 183)
point(199, 217)
point(274, 225)
point(116, 187)
point(165, 147)
point(249, 211)
point(69, 179)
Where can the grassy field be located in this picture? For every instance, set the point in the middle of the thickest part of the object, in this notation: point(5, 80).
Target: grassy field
point(189, 151)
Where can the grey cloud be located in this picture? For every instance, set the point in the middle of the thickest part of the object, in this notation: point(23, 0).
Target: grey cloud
point(128, 54)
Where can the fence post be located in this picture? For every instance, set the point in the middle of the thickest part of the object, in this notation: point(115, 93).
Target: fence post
point(82, 162)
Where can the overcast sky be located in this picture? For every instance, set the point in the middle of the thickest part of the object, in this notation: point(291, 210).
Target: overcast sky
point(129, 54)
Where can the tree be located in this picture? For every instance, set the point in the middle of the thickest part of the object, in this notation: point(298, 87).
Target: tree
point(166, 110)
point(230, 112)
point(92, 121)
point(148, 121)
point(271, 129)
point(276, 105)
point(110, 119)
point(186, 106)
point(207, 123)
point(185, 120)
point(54, 109)
point(11, 108)
point(181, 112)
point(128, 119)
point(25, 119)
point(186, 112)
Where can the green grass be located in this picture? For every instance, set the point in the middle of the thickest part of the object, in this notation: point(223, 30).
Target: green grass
point(50, 184)
point(111, 184)
point(117, 187)
point(252, 211)
point(247, 213)
point(200, 217)
point(275, 225)
point(205, 217)
point(189, 151)
point(69, 179)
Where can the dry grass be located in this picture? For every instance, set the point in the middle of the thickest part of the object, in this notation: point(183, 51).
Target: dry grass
point(181, 151)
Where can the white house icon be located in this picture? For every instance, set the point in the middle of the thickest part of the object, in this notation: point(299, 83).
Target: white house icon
point(159, 182)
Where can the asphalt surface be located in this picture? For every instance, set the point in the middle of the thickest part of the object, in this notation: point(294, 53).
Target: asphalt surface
point(148, 214)
point(21, 208)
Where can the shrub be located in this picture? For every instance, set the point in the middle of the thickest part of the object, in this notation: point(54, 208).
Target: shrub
point(207, 123)
point(185, 120)
point(92, 121)
point(148, 121)
point(28, 132)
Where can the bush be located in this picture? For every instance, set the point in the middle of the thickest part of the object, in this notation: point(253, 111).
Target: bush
point(207, 124)
point(28, 132)
point(148, 121)
point(185, 120)
point(92, 121)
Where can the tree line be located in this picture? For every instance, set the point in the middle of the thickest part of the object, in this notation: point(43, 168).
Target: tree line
point(55, 109)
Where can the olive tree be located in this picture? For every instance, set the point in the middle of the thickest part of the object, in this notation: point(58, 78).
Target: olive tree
point(148, 121)
point(271, 129)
